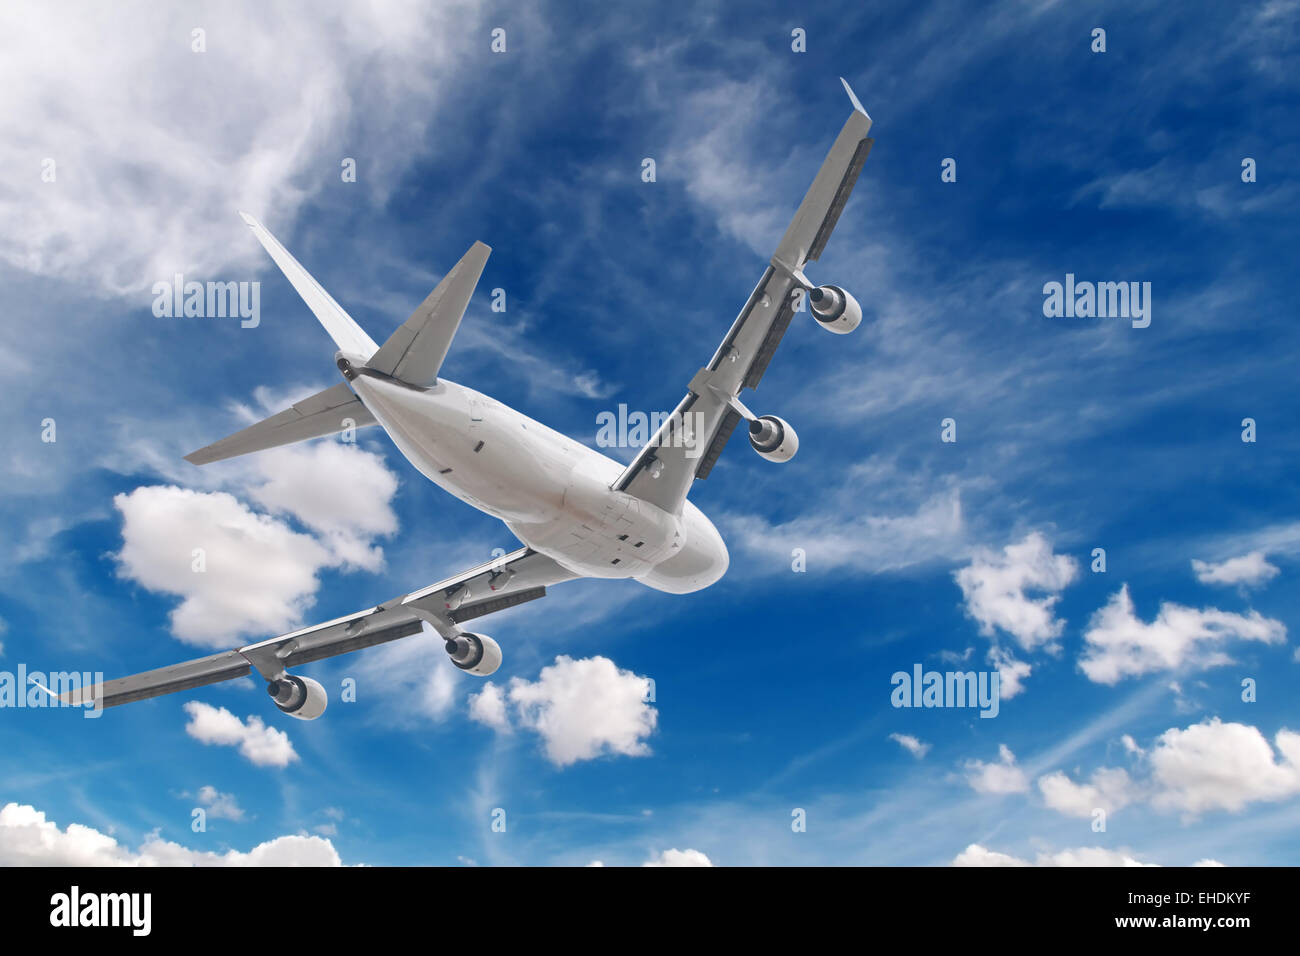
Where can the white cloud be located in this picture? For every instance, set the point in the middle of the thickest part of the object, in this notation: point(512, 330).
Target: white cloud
point(219, 805)
point(995, 587)
point(585, 708)
point(679, 858)
point(1011, 672)
point(337, 490)
point(840, 535)
point(1001, 777)
point(976, 855)
point(259, 575)
point(911, 744)
point(1120, 645)
point(1207, 766)
point(27, 838)
point(150, 174)
point(488, 706)
point(1218, 766)
point(419, 681)
point(1247, 571)
point(261, 745)
point(1109, 790)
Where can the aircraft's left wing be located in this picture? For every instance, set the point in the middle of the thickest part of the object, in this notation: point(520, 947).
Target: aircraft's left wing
point(505, 582)
point(691, 439)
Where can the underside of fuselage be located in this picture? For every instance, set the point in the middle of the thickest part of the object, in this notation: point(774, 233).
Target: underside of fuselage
point(553, 493)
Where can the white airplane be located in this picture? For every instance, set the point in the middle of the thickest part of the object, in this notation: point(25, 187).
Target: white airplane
point(578, 513)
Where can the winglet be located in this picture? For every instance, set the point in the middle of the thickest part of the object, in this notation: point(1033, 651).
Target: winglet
point(856, 105)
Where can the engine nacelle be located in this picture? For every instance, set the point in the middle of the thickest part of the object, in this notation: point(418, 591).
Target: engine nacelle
point(773, 438)
point(835, 309)
point(475, 654)
point(299, 697)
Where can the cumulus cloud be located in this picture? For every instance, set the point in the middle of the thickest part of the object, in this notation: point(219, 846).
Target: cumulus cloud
point(679, 858)
point(1014, 593)
point(240, 573)
point(262, 745)
point(1120, 645)
point(997, 590)
point(1210, 765)
point(338, 490)
point(220, 806)
point(27, 838)
point(976, 855)
point(911, 744)
point(253, 574)
point(1011, 672)
point(1248, 571)
point(1109, 790)
point(488, 706)
point(1218, 766)
point(582, 709)
point(1000, 777)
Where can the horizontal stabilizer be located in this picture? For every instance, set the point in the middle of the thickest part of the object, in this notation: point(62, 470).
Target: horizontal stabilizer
point(414, 353)
point(324, 413)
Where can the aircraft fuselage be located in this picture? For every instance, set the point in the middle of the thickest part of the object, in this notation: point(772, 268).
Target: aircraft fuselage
point(554, 493)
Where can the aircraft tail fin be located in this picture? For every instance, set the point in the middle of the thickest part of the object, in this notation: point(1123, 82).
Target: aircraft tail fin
point(333, 410)
point(342, 328)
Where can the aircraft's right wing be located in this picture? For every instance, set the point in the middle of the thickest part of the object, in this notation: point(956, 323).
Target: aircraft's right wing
point(505, 582)
point(691, 439)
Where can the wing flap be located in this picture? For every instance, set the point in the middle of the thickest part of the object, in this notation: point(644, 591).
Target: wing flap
point(806, 236)
point(188, 675)
point(518, 577)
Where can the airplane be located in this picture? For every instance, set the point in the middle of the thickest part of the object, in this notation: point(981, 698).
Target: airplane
point(578, 513)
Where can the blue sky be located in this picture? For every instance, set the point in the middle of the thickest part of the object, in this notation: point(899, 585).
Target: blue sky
point(772, 688)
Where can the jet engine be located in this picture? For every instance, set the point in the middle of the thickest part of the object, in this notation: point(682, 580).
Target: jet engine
point(299, 697)
point(475, 654)
point(773, 438)
point(835, 309)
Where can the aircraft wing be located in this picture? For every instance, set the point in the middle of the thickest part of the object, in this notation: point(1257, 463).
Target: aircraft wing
point(504, 582)
point(691, 439)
